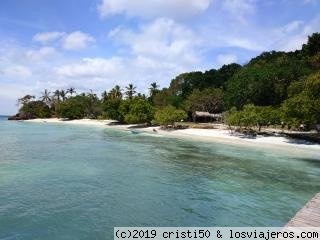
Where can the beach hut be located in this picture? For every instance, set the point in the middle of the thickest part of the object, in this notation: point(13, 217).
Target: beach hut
point(198, 116)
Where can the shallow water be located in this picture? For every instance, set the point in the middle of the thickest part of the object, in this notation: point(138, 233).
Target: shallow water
point(78, 182)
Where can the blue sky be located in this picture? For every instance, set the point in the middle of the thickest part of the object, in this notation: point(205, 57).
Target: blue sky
point(95, 44)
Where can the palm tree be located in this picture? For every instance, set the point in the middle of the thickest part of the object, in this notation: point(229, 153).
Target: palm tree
point(46, 97)
point(118, 91)
point(92, 95)
point(56, 102)
point(153, 89)
point(104, 96)
point(154, 86)
point(57, 94)
point(131, 90)
point(63, 95)
point(115, 92)
point(140, 95)
point(71, 90)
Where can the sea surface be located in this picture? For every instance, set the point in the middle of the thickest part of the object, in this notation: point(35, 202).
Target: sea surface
point(78, 182)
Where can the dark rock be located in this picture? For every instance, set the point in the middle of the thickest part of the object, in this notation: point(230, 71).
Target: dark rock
point(18, 117)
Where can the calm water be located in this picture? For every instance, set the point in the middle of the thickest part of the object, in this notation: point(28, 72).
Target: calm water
point(78, 182)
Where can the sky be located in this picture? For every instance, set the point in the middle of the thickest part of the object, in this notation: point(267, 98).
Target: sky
point(96, 44)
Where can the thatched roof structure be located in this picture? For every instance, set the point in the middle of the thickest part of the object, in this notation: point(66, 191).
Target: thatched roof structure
point(206, 116)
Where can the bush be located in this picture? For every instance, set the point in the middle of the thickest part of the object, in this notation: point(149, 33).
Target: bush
point(137, 110)
point(301, 109)
point(72, 108)
point(207, 100)
point(253, 116)
point(35, 109)
point(111, 109)
point(169, 115)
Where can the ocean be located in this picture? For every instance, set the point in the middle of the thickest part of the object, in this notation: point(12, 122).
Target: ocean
point(79, 182)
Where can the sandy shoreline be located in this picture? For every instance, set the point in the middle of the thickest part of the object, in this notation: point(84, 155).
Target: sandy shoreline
point(208, 135)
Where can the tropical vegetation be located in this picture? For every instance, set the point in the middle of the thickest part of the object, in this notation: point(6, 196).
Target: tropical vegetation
point(274, 88)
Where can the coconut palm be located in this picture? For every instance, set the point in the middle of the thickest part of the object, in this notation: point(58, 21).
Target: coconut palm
point(140, 95)
point(116, 92)
point(131, 90)
point(46, 97)
point(92, 95)
point(154, 86)
point(63, 95)
point(104, 96)
point(71, 90)
point(57, 95)
point(153, 89)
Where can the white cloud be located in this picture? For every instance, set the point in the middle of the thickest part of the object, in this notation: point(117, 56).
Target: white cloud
point(9, 95)
point(42, 53)
point(224, 37)
point(16, 71)
point(153, 8)
point(92, 68)
point(71, 41)
point(97, 73)
point(153, 50)
point(309, 1)
point(292, 26)
point(77, 40)
point(157, 51)
point(12, 91)
point(239, 9)
point(223, 59)
point(292, 44)
point(244, 43)
point(291, 36)
point(312, 26)
point(46, 37)
point(256, 39)
point(162, 41)
point(25, 69)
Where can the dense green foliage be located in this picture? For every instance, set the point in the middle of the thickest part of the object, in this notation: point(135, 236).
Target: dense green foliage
point(79, 106)
point(264, 81)
point(301, 109)
point(275, 88)
point(312, 48)
point(251, 116)
point(207, 100)
point(185, 83)
point(35, 109)
point(169, 115)
point(111, 109)
point(303, 106)
point(137, 110)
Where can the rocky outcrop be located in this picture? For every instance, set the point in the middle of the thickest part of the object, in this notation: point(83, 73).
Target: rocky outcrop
point(18, 117)
point(311, 137)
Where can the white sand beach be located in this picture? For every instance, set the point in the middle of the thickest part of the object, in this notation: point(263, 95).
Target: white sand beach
point(90, 122)
point(76, 122)
point(221, 135)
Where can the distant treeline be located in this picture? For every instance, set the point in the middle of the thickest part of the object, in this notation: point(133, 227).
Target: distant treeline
point(275, 88)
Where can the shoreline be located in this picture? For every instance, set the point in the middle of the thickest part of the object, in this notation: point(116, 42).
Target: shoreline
point(216, 135)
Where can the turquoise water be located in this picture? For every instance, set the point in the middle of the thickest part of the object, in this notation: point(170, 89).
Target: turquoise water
point(78, 182)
